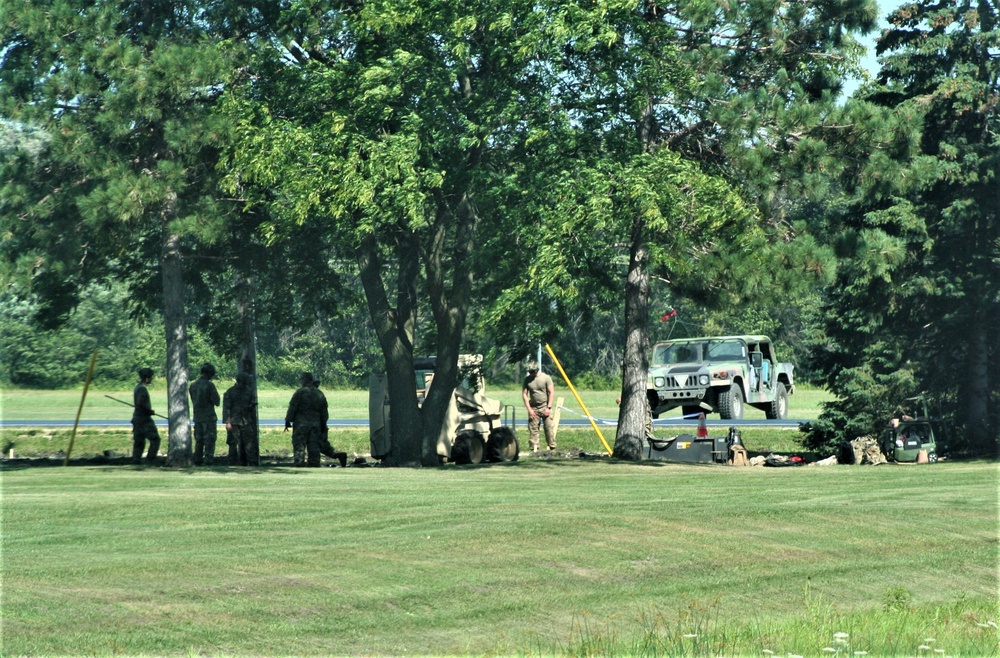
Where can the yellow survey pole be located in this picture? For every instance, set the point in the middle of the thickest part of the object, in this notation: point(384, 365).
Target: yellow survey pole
point(577, 396)
point(90, 373)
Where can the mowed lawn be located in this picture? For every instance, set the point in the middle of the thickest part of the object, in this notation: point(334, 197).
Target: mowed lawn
point(27, 404)
point(536, 557)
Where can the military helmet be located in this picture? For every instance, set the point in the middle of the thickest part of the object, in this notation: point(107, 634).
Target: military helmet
point(208, 369)
point(145, 373)
point(306, 378)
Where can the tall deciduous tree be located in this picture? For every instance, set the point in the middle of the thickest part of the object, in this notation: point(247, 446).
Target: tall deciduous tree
point(125, 91)
point(383, 129)
point(734, 89)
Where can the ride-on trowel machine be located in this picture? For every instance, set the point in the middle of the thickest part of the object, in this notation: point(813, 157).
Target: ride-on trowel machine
point(907, 437)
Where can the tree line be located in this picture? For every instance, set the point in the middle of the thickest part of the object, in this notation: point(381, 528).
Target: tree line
point(485, 176)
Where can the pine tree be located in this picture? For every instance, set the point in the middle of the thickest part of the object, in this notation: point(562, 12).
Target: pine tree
point(125, 94)
point(918, 293)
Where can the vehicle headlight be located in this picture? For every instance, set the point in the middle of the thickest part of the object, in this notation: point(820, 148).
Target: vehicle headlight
point(702, 380)
point(659, 382)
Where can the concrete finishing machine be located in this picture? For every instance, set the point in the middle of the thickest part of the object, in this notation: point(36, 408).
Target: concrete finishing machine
point(476, 428)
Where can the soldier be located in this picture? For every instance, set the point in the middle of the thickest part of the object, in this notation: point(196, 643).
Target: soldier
point(143, 426)
point(237, 414)
point(307, 416)
point(538, 394)
point(324, 440)
point(204, 399)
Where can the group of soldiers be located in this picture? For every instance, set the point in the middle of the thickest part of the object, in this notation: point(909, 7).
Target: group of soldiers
point(307, 417)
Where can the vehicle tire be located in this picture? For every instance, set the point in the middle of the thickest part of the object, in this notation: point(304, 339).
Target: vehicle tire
point(932, 457)
point(468, 448)
point(731, 403)
point(779, 407)
point(502, 445)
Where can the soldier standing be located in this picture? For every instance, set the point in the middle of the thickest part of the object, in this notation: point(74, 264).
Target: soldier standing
point(143, 426)
point(538, 394)
point(307, 416)
point(204, 399)
point(324, 440)
point(237, 414)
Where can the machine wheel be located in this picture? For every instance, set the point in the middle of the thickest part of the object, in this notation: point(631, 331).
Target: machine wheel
point(502, 445)
point(468, 448)
point(779, 408)
point(932, 457)
point(731, 403)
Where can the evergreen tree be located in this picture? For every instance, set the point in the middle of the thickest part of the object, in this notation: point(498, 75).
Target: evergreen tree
point(918, 293)
point(124, 92)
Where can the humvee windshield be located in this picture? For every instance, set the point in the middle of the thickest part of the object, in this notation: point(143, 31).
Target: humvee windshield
point(710, 350)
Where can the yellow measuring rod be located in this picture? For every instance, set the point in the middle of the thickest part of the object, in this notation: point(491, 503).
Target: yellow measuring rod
point(577, 396)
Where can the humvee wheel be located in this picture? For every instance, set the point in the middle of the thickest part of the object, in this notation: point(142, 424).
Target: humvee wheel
point(779, 407)
point(468, 448)
point(502, 445)
point(731, 403)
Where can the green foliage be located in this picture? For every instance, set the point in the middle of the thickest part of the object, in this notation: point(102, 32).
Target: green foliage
point(125, 107)
point(915, 300)
point(35, 357)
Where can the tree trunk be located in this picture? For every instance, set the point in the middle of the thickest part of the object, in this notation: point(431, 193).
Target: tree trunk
point(975, 394)
point(178, 413)
point(394, 330)
point(635, 361)
point(634, 409)
point(450, 309)
point(248, 357)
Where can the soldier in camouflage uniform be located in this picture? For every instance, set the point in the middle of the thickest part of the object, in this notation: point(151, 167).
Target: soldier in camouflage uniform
point(307, 416)
point(237, 414)
point(204, 399)
point(143, 426)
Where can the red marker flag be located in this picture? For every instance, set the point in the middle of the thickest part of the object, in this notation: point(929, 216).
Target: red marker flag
point(669, 314)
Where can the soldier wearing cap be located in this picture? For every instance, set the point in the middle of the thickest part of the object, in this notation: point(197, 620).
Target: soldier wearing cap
point(143, 425)
point(204, 400)
point(538, 394)
point(307, 418)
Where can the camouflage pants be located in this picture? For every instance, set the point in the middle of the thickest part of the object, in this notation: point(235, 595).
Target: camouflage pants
point(205, 432)
point(534, 427)
point(142, 431)
point(307, 444)
point(247, 451)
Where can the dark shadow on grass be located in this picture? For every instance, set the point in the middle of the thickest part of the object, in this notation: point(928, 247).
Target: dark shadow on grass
point(117, 463)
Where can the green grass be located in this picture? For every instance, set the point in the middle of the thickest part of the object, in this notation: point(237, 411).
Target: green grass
point(35, 442)
point(276, 445)
point(537, 557)
point(25, 404)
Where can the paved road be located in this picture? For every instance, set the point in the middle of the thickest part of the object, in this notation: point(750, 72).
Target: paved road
point(575, 422)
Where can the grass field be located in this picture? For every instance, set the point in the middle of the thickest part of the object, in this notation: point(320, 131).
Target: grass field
point(25, 404)
point(536, 557)
point(349, 405)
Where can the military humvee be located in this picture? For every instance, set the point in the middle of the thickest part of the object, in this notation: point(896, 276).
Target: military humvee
point(718, 375)
point(472, 431)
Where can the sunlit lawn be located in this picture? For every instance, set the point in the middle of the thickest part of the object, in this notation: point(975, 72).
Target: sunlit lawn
point(24, 404)
point(538, 557)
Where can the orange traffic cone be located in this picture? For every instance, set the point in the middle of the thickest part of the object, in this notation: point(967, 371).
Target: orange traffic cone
point(702, 430)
